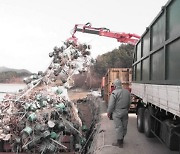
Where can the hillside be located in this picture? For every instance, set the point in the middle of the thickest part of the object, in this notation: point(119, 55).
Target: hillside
point(10, 75)
point(6, 69)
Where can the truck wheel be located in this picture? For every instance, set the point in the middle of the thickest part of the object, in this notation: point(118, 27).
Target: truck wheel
point(148, 123)
point(140, 119)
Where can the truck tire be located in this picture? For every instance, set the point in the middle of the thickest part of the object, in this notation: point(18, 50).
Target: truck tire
point(140, 119)
point(148, 123)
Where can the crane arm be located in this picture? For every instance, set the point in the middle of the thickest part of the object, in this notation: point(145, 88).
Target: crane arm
point(121, 37)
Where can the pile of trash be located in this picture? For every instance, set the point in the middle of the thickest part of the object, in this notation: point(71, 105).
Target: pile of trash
point(41, 118)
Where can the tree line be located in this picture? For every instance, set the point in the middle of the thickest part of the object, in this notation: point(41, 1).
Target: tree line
point(12, 76)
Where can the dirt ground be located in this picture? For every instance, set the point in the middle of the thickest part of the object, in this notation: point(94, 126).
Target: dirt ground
point(77, 94)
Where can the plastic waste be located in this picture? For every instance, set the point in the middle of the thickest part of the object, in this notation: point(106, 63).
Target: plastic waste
point(41, 116)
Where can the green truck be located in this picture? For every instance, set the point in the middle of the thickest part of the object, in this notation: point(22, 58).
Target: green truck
point(156, 77)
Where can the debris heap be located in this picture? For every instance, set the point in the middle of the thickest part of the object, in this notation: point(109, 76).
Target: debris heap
point(41, 118)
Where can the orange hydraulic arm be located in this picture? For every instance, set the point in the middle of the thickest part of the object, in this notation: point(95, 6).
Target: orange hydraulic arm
point(121, 37)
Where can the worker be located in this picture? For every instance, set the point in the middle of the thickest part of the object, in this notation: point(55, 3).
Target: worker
point(118, 107)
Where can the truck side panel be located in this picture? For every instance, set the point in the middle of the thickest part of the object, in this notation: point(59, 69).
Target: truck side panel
point(166, 97)
point(156, 59)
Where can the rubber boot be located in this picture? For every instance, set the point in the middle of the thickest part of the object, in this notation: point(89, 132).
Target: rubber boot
point(116, 144)
point(119, 143)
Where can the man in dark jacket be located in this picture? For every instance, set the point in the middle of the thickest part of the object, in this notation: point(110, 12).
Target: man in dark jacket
point(118, 107)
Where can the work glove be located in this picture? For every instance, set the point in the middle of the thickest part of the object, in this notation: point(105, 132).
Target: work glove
point(110, 116)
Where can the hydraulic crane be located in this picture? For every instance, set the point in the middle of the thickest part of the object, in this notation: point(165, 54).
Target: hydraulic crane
point(121, 37)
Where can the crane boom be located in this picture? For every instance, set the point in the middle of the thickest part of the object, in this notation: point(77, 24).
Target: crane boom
point(121, 37)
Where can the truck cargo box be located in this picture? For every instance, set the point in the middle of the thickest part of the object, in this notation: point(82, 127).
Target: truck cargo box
point(123, 74)
point(156, 78)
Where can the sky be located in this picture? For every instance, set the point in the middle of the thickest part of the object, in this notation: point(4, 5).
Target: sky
point(30, 29)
